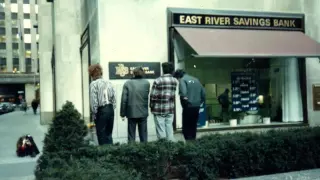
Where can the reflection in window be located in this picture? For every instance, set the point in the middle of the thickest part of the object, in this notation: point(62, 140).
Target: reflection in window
point(15, 64)
point(36, 8)
point(27, 23)
point(3, 38)
point(28, 65)
point(26, 16)
point(3, 45)
point(27, 38)
point(15, 45)
point(14, 23)
point(38, 62)
point(2, 31)
point(28, 54)
point(15, 53)
point(27, 31)
point(3, 64)
point(15, 38)
point(14, 8)
point(3, 53)
point(26, 8)
point(14, 31)
point(2, 23)
point(26, 1)
point(28, 46)
point(13, 1)
point(14, 15)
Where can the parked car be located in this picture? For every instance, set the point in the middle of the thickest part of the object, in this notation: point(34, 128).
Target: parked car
point(6, 107)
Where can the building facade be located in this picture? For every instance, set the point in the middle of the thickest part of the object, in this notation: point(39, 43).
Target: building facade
point(124, 32)
point(19, 65)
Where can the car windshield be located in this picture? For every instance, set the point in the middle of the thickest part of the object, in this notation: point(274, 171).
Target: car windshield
point(4, 103)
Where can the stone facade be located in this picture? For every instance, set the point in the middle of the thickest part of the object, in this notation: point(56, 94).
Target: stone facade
point(126, 30)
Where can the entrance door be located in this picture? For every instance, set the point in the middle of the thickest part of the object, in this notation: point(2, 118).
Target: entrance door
point(85, 82)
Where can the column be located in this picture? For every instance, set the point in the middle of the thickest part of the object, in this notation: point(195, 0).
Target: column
point(29, 90)
point(22, 53)
point(34, 51)
point(67, 53)
point(45, 54)
point(9, 35)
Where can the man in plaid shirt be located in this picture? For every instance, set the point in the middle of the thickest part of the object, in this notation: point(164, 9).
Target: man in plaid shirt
point(162, 98)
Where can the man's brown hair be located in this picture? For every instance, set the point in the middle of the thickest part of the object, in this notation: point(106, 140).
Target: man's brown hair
point(95, 71)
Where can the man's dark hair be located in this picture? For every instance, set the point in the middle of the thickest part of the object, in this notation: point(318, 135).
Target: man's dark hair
point(179, 73)
point(138, 72)
point(167, 68)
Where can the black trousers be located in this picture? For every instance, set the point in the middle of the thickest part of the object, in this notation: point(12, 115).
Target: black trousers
point(104, 124)
point(142, 129)
point(190, 116)
point(34, 109)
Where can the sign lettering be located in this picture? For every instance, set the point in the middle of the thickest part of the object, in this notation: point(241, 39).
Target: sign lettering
point(124, 70)
point(239, 21)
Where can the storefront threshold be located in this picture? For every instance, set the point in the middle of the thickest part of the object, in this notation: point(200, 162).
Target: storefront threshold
point(248, 127)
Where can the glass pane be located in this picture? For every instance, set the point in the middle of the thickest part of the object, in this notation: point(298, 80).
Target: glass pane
point(3, 45)
point(15, 53)
point(14, 8)
point(14, 23)
point(26, 8)
point(15, 38)
point(27, 23)
point(28, 54)
point(15, 45)
point(3, 53)
point(3, 65)
point(2, 23)
point(14, 15)
point(2, 38)
point(27, 38)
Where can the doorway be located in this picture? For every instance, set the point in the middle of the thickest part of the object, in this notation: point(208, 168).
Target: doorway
point(85, 63)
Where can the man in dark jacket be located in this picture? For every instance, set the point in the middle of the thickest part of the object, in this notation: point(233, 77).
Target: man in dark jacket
point(223, 100)
point(192, 95)
point(34, 105)
point(134, 105)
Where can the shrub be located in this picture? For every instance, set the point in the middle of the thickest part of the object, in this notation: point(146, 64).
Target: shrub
point(65, 134)
point(85, 169)
point(67, 131)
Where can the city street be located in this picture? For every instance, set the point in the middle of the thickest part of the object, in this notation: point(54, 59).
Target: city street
point(12, 126)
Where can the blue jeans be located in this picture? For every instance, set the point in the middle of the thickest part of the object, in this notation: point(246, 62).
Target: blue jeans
point(164, 126)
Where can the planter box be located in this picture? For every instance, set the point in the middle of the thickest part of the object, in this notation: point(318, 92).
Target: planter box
point(250, 119)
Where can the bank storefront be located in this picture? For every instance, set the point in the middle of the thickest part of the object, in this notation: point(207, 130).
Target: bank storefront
point(259, 57)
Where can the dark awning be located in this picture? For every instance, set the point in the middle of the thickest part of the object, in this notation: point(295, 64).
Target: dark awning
point(206, 42)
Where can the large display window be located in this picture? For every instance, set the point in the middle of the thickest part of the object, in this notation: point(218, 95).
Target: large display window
point(251, 64)
point(249, 91)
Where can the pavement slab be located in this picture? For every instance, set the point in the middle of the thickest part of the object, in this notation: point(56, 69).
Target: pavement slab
point(12, 126)
point(313, 174)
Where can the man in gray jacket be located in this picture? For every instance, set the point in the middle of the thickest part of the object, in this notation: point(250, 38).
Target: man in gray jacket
point(192, 95)
point(134, 105)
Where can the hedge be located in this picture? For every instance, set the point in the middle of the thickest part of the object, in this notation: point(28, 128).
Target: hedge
point(66, 156)
point(227, 156)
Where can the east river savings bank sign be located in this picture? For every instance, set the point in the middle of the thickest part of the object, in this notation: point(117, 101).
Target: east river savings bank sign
point(124, 70)
point(240, 22)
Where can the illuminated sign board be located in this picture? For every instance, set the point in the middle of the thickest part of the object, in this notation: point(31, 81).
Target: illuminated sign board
point(239, 21)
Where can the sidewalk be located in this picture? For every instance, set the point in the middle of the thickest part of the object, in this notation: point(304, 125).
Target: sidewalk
point(297, 175)
point(12, 126)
